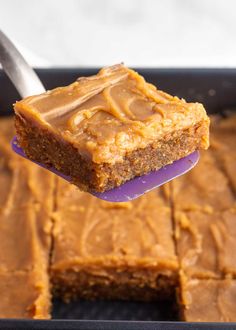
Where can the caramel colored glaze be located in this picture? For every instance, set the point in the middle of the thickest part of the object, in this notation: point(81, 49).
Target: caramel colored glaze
point(208, 300)
point(111, 114)
point(26, 203)
point(24, 209)
point(206, 243)
point(205, 188)
point(92, 234)
point(205, 209)
point(23, 295)
point(223, 145)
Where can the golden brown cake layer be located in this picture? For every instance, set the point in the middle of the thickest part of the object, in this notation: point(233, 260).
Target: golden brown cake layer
point(111, 250)
point(112, 126)
point(25, 232)
point(208, 300)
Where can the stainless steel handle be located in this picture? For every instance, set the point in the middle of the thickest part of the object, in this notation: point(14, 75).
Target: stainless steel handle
point(18, 70)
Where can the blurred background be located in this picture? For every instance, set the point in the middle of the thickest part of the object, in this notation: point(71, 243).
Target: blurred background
point(140, 33)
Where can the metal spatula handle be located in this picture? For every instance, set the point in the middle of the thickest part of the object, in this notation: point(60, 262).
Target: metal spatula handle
point(18, 70)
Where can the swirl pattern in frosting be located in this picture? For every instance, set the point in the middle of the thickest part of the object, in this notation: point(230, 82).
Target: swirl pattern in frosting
point(112, 113)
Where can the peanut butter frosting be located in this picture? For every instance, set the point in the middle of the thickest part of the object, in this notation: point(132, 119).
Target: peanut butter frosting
point(111, 114)
point(209, 300)
point(23, 295)
point(25, 222)
point(205, 208)
point(26, 201)
point(96, 234)
point(223, 145)
point(206, 243)
point(206, 187)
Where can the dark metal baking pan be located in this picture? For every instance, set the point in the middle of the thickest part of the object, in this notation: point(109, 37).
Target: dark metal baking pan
point(216, 88)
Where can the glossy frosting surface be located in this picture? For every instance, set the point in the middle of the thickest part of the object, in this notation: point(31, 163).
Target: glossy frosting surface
point(112, 113)
point(205, 207)
point(25, 227)
point(92, 233)
point(209, 300)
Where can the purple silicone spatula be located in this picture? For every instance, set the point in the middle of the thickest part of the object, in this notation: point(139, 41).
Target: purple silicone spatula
point(27, 83)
